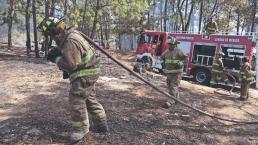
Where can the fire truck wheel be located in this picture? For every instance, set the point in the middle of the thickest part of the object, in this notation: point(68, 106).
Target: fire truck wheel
point(202, 76)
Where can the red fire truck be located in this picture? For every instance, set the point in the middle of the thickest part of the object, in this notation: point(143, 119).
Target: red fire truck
point(200, 48)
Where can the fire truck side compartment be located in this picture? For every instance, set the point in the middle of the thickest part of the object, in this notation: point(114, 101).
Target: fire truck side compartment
point(203, 54)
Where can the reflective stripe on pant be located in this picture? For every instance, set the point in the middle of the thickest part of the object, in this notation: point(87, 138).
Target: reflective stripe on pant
point(173, 82)
point(244, 88)
point(82, 99)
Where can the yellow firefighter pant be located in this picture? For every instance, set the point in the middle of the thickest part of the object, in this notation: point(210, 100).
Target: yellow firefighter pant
point(173, 82)
point(82, 99)
point(244, 89)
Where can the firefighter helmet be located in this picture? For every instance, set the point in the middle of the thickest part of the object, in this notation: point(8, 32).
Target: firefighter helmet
point(50, 26)
point(173, 41)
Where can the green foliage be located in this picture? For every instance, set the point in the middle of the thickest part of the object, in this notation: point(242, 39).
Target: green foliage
point(74, 16)
point(128, 14)
point(89, 17)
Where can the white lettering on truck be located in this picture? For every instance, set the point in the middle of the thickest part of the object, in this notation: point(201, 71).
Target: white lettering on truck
point(226, 40)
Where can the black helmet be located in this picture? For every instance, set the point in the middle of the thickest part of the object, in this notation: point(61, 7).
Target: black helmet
point(50, 25)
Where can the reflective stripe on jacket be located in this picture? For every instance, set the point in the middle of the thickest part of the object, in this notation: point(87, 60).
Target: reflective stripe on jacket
point(173, 71)
point(173, 61)
point(178, 64)
point(211, 29)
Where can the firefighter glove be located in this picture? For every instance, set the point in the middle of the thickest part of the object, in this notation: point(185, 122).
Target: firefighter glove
point(54, 55)
point(65, 75)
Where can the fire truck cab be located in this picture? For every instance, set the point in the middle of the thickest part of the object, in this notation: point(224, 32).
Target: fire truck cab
point(200, 48)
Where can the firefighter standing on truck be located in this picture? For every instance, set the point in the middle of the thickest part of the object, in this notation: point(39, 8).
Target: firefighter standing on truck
point(75, 56)
point(173, 61)
point(211, 27)
point(245, 76)
point(218, 70)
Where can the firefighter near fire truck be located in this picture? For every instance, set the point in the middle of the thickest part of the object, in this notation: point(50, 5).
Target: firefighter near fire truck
point(79, 59)
point(245, 76)
point(172, 63)
point(218, 71)
point(211, 27)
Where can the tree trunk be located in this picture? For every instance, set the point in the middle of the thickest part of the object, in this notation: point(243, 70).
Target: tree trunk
point(228, 21)
point(52, 13)
point(119, 41)
point(103, 44)
point(65, 10)
point(52, 8)
point(238, 20)
point(45, 46)
point(35, 28)
point(106, 25)
point(165, 15)
point(10, 22)
point(83, 27)
point(27, 19)
point(161, 14)
point(179, 7)
point(189, 17)
point(148, 20)
point(254, 11)
point(95, 20)
point(47, 8)
point(186, 8)
point(200, 16)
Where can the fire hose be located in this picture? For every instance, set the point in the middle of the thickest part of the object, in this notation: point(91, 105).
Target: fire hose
point(162, 92)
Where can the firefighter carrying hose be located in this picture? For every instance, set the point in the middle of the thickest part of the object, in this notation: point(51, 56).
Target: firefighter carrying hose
point(75, 56)
point(245, 76)
point(173, 61)
point(211, 26)
point(218, 70)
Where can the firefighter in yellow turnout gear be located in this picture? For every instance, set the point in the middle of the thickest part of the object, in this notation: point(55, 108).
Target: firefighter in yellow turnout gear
point(173, 61)
point(245, 76)
point(211, 27)
point(218, 74)
point(75, 56)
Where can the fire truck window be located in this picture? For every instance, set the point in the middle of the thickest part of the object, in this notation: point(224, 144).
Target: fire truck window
point(203, 54)
point(232, 56)
point(143, 38)
point(150, 38)
point(159, 49)
point(155, 39)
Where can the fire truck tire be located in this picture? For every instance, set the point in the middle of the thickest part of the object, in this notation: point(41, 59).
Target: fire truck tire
point(202, 76)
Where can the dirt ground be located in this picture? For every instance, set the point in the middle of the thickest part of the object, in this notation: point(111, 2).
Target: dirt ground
point(34, 107)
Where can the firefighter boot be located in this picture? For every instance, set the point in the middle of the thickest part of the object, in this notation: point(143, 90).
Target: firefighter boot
point(101, 127)
point(241, 98)
point(77, 136)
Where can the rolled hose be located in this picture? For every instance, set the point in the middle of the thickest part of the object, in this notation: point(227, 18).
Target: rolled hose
point(165, 93)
